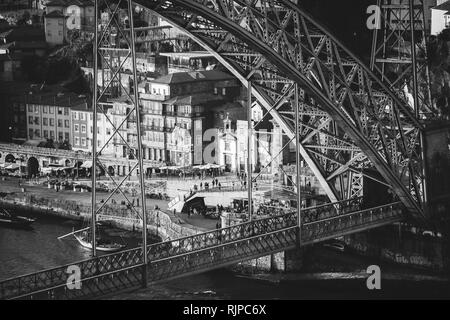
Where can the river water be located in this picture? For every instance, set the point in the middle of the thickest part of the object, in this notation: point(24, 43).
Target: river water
point(26, 251)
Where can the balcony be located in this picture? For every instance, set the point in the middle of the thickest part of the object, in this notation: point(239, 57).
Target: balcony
point(169, 113)
point(184, 114)
point(152, 128)
point(154, 97)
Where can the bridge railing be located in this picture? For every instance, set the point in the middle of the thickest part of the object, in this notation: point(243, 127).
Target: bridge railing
point(329, 227)
point(248, 229)
point(55, 277)
point(257, 242)
point(323, 228)
point(220, 236)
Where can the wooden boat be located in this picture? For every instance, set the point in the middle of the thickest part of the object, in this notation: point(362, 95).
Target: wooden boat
point(84, 238)
point(101, 244)
point(6, 218)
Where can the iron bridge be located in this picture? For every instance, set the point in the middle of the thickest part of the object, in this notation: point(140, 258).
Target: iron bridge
point(203, 252)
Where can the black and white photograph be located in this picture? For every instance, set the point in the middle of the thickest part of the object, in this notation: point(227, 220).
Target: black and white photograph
point(205, 151)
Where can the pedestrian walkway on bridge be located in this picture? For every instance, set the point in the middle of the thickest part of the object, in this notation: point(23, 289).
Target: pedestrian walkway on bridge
point(215, 249)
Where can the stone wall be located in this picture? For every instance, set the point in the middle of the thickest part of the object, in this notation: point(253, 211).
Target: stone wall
point(163, 224)
point(386, 245)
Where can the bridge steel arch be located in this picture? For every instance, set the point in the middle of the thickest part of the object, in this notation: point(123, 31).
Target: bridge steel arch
point(350, 120)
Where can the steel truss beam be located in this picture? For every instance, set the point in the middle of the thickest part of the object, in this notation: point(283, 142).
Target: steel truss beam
point(400, 57)
point(114, 45)
point(400, 50)
point(275, 43)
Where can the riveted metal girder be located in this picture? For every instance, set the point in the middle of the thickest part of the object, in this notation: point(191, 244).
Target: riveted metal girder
point(349, 111)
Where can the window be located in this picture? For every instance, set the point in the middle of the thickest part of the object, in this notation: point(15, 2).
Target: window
point(60, 136)
point(224, 91)
point(60, 110)
point(30, 108)
point(37, 133)
point(83, 142)
point(77, 128)
point(46, 134)
point(66, 124)
point(216, 91)
point(75, 115)
point(66, 136)
point(51, 110)
point(82, 116)
point(52, 134)
point(60, 123)
point(36, 109)
point(198, 140)
point(52, 122)
point(66, 111)
point(45, 109)
point(30, 133)
point(30, 120)
point(77, 141)
point(36, 120)
point(45, 121)
point(83, 128)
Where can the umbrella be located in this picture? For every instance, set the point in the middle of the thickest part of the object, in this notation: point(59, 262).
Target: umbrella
point(87, 164)
point(45, 170)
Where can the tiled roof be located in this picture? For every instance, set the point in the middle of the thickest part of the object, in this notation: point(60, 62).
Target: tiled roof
point(444, 6)
point(24, 33)
point(55, 14)
point(66, 3)
point(55, 96)
point(196, 99)
point(183, 77)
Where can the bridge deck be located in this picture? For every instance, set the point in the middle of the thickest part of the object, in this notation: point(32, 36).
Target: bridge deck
point(199, 253)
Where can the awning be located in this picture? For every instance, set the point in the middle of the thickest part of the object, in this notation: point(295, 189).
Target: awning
point(47, 170)
point(33, 143)
point(210, 166)
point(63, 168)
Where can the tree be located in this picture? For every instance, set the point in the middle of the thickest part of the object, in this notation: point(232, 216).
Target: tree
point(65, 145)
point(48, 144)
point(24, 19)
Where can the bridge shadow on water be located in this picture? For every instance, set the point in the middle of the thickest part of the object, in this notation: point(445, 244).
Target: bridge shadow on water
point(224, 284)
